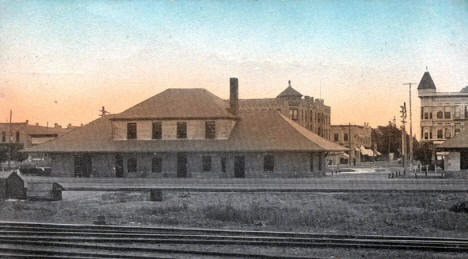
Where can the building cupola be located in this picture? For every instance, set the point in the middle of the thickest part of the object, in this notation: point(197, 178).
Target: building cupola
point(426, 85)
point(290, 92)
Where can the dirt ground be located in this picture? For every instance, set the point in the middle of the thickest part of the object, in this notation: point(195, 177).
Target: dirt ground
point(422, 214)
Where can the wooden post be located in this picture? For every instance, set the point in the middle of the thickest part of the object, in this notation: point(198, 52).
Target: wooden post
point(57, 192)
point(56, 195)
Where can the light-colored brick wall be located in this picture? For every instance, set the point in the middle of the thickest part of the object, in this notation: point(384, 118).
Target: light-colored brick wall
point(195, 129)
point(452, 161)
point(431, 104)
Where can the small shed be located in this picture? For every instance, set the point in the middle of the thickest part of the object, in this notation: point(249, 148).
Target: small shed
point(456, 148)
point(12, 186)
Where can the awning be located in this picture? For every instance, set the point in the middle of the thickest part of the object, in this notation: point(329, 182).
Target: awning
point(344, 155)
point(366, 152)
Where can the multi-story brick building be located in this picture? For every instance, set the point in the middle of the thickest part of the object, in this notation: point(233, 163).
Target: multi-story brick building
point(443, 114)
point(189, 133)
point(358, 137)
point(311, 113)
point(28, 135)
point(18, 135)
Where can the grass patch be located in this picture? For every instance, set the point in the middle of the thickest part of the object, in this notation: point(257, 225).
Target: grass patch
point(360, 213)
point(257, 214)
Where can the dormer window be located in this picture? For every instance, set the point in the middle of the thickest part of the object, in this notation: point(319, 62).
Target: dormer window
point(210, 129)
point(181, 130)
point(157, 130)
point(131, 130)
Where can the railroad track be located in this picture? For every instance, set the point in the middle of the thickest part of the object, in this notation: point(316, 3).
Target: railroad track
point(127, 241)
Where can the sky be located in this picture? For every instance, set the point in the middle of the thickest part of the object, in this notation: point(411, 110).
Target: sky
point(61, 61)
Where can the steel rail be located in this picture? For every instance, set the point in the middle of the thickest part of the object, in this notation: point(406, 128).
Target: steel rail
point(177, 238)
point(133, 249)
point(258, 242)
point(20, 252)
point(32, 226)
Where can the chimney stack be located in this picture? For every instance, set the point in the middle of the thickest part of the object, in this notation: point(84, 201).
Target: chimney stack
point(234, 95)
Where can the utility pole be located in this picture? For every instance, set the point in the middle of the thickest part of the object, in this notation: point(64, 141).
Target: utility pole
point(103, 112)
point(9, 141)
point(403, 135)
point(349, 142)
point(410, 127)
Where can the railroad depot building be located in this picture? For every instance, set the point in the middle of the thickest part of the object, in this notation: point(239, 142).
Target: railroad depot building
point(189, 133)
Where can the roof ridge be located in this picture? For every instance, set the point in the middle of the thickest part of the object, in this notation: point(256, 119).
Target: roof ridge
point(179, 103)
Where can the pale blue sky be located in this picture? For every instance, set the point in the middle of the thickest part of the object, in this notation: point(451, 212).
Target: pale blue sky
point(359, 51)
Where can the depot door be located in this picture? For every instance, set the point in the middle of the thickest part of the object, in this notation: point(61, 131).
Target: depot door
point(83, 165)
point(118, 166)
point(239, 166)
point(463, 160)
point(181, 164)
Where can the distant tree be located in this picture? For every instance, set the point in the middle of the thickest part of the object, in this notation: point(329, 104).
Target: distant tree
point(423, 153)
point(387, 139)
point(15, 154)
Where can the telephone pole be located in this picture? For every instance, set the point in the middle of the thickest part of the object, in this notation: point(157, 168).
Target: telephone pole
point(349, 142)
point(410, 127)
point(103, 112)
point(9, 141)
point(403, 135)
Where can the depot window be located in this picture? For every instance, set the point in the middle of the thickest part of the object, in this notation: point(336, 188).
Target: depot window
point(132, 165)
point(157, 130)
point(206, 163)
point(156, 164)
point(210, 129)
point(131, 130)
point(181, 130)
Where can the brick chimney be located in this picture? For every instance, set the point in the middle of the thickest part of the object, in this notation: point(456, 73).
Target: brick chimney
point(234, 95)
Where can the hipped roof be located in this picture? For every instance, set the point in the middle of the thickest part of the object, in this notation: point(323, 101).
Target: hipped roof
point(41, 130)
point(290, 92)
point(178, 103)
point(254, 131)
point(460, 141)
